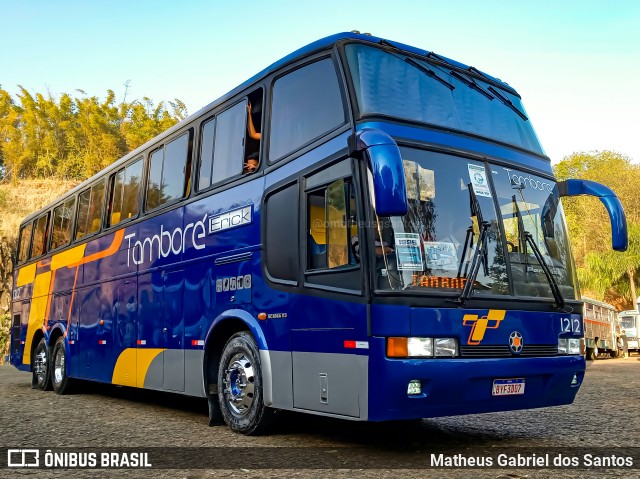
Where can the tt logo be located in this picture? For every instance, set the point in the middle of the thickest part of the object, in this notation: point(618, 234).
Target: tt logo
point(479, 326)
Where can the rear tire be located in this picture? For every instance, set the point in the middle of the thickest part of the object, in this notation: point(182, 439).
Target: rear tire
point(240, 386)
point(59, 379)
point(40, 374)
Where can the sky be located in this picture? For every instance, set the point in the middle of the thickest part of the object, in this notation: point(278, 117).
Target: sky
point(576, 64)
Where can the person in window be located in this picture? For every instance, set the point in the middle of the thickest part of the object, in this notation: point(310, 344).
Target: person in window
point(253, 144)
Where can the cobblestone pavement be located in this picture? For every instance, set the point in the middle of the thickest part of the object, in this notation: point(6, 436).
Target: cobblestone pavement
point(606, 413)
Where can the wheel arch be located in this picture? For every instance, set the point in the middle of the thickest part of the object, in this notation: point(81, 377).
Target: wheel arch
point(222, 328)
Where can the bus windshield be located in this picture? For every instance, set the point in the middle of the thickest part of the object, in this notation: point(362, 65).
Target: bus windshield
point(451, 200)
point(627, 322)
point(409, 88)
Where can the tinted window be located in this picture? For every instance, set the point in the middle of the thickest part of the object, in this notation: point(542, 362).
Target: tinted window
point(124, 196)
point(282, 234)
point(25, 242)
point(332, 231)
point(154, 188)
point(90, 210)
point(168, 173)
point(61, 227)
point(394, 85)
point(228, 153)
point(206, 154)
point(306, 104)
point(40, 236)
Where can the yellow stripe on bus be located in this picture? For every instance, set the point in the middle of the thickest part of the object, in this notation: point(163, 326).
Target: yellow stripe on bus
point(26, 275)
point(132, 366)
point(38, 311)
point(68, 257)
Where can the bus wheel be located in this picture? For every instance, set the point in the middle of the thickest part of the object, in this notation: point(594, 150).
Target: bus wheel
point(240, 392)
point(41, 379)
point(60, 380)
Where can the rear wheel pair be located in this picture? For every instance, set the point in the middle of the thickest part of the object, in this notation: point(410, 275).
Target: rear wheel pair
point(50, 370)
point(240, 386)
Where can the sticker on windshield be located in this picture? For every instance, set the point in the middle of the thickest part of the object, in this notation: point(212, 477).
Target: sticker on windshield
point(441, 255)
point(408, 252)
point(479, 181)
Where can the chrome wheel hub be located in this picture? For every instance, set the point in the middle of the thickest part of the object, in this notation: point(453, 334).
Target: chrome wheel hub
point(58, 367)
point(238, 383)
point(41, 366)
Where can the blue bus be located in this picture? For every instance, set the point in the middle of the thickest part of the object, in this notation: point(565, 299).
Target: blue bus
point(363, 230)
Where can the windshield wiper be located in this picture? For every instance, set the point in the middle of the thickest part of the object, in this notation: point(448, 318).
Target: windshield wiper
point(428, 71)
point(471, 83)
point(480, 256)
point(524, 238)
point(508, 103)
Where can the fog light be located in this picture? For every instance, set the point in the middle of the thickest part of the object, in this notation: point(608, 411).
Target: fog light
point(563, 346)
point(574, 346)
point(415, 387)
point(574, 381)
point(446, 347)
point(420, 347)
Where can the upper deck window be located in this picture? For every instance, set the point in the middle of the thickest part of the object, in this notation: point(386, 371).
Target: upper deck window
point(90, 210)
point(168, 173)
point(410, 88)
point(39, 246)
point(125, 187)
point(25, 242)
point(307, 103)
point(61, 227)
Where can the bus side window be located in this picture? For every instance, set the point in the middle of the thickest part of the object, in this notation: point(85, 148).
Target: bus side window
point(40, 229)
point(307, 104)
point(168, 172)
point(25, 242)
point(125, 188)
point(228, 149)
point(90, 210)
point(282, 234)
point(332, 244)
point(329, 211)
point(254, 132)
point(61, 224)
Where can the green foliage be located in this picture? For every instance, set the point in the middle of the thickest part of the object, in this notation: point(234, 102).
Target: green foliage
point(603, 273)
point(5, 325)
point(74, 138)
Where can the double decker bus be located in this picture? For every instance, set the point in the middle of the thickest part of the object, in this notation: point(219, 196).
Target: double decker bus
point(363, 230)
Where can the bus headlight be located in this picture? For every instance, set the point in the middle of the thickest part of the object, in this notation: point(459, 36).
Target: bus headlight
point(574, 346)
point(420, 347)
point(446, 347)
point(563, 346)
point(569, 346)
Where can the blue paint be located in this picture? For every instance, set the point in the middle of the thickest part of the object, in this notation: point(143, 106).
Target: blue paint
point(171, 285)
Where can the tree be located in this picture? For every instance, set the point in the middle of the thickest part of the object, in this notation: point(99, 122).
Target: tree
point(602, 271)
point(74, 138)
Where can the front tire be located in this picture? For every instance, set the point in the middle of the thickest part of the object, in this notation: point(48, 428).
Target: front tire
point(40, 374)
point(240, 386)
point(61, 382)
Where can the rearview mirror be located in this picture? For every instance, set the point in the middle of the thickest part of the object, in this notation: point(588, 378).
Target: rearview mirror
point(619, 237)
point(385, 161)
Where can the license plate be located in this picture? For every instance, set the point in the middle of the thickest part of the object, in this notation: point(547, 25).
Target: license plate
point(507, 387)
